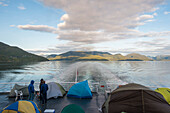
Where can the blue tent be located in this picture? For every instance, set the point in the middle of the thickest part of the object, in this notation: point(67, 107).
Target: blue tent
point(80, 90)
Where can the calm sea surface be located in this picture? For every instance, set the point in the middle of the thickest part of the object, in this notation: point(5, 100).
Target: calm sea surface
point(149, 73)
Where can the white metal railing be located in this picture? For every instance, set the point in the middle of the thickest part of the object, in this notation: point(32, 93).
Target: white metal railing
point(95, 87)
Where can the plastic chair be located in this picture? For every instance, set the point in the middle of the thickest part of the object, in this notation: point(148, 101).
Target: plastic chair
point(18, 94)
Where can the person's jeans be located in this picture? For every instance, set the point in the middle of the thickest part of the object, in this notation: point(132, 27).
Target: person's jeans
point(44, 98)
point(41, 96)
point(31, 96)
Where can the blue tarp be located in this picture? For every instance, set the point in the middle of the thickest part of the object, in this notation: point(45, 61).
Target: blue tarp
point(80, 90)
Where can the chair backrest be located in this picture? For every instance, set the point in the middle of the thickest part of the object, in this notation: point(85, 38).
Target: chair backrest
point(20, 93)
point(16, 92)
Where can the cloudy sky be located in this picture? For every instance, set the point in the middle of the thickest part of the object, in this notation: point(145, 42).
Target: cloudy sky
point(116, 26)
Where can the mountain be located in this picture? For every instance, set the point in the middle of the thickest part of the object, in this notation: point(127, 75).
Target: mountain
point(83, 53)
point(51, 56)
point(115, 57)
point(137, 57)
point(163, 58)
point(97, 56)
point(15, 54)
point(80, 56)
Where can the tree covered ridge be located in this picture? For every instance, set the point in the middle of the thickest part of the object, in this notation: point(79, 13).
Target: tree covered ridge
point(15, 54)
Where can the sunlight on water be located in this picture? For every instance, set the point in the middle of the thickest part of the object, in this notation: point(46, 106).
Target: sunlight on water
point(149, 73)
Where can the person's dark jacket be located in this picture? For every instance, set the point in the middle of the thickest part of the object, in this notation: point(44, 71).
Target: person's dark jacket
point(40, 87)
point(31, 87)
point(44, 88)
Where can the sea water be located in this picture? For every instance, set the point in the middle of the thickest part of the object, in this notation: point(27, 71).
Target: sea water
point(148, 73)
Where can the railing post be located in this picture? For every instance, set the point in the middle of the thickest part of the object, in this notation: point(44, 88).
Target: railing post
point(97, 88)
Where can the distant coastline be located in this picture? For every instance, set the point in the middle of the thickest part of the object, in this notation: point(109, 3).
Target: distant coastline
point(103, 56)
point(12, 54)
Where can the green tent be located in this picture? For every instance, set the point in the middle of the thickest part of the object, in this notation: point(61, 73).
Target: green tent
point(165, 92)
point(61, 89)
point(17, 87)
point(72, 108)
point(135, 98)
point(55, 90)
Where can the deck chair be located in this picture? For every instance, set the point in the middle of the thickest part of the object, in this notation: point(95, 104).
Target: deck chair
point(18, 94)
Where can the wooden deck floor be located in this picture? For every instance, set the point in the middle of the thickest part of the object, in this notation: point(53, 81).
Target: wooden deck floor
point(89, 105)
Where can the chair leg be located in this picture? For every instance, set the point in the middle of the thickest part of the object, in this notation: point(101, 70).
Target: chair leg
point(16, 98)
point(21, 97)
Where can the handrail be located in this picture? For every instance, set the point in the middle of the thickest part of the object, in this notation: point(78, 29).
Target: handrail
point(47, 82)
point(96, 85)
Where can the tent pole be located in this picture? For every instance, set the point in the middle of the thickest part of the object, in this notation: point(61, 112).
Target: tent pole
point(143, 103)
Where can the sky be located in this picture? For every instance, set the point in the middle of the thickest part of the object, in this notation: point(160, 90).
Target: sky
point(46, 27)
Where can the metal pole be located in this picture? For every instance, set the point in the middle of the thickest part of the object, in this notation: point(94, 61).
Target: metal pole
point(76, 75)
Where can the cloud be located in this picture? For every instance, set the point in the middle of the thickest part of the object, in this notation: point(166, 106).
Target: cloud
point(156, 43)
point(87, 22)
point(91, 37)
point(65, 17)
point(153, 47)
point(164, 51)
point(151, 52)
point(21, 7)
point(12, 25)
point(84, 18)
point(61, 48)
point(144, 17)
point(166, 12)
point(87, 37)
point(41, 28)
point(3, 4)
point(155, 34)
point(148, 47)
point(138, 34)
point(113, 15)
point(155, 14)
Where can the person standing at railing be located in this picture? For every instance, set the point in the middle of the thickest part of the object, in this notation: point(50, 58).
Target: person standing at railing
point(44, 88)
point(31, 90)
point(41, 82)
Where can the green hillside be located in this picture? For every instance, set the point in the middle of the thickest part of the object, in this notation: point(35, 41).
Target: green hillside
point(83, 53)
point(92, 58)
point(80, 56)
point(137, 57)
point(115, 57)
point(15, 54)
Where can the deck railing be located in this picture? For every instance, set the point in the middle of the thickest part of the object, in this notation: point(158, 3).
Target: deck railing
point(95, 87)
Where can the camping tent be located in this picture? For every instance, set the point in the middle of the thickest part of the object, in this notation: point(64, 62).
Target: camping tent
point(21, 107)
point(55, 90)
point(165, 92)
point(72, 108)
point(17, 87)
point(80, 90)
point(135, 98)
